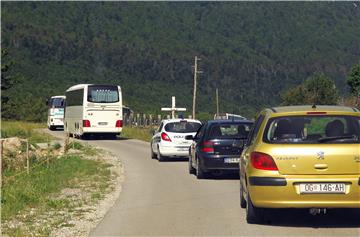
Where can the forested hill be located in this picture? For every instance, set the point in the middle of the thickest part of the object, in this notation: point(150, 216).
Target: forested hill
point(251, 51)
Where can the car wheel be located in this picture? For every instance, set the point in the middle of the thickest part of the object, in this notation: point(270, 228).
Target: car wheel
point(159, 156)
point(242, 199)
point(254, 215)
point(191, 168)
point(153, 155)
point(200, 174)
point(51, 128)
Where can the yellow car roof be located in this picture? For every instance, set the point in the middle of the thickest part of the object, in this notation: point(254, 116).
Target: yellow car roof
point(303, 109)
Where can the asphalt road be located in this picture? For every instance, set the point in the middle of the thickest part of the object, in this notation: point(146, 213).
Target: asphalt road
point(162, 199)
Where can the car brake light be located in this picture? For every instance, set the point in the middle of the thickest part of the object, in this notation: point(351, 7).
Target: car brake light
point(119, 124)
point(315, 113)
point(165, 137)
point(262, 161)
point(208, 147)
point(86, 123)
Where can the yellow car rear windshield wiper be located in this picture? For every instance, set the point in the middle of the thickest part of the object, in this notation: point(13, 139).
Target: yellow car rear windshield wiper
point(327, 139)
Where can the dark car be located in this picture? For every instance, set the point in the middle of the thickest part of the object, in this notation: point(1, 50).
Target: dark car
point(217, 146)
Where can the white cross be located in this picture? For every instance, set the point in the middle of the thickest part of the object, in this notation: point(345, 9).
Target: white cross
point(173, 108)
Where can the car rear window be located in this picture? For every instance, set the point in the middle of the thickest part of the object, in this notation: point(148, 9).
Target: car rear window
point(231, 131)
point(182, 127)
point(312, 129)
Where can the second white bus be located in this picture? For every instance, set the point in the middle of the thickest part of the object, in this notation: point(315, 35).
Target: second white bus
point(93, 109)
point(55, 118)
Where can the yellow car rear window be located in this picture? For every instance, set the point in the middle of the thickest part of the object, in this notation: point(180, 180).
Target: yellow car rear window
point(312, 129)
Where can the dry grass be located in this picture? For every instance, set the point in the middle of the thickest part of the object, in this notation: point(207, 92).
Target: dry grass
point(143, 134)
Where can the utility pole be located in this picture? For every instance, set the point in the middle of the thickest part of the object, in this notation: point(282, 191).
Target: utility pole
point(195, 85)
point(217, 102)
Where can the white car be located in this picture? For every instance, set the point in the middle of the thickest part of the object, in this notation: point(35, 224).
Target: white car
point(169, 139)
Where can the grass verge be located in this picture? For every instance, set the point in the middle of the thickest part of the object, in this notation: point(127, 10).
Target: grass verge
point(57, 187)
point(33, 189)
point(24, 130)
point(84, 148)
point(143, 134)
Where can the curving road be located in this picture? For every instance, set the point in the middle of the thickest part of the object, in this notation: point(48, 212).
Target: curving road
point(162, 199)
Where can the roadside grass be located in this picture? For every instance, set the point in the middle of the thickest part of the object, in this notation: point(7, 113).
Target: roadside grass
point(24, 130)
point(31, 204)
point(143, 134)
point(84, 148)
point(33, 190)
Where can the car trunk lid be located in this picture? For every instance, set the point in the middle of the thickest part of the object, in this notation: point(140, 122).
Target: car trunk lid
point(179, 138)
point(227, 146)
point(317, 158)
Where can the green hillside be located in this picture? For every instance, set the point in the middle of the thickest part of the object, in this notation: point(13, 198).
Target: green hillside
point(251, 51)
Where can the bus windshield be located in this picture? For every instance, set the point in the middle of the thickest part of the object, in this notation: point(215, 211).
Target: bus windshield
point(103, 94)
point(57, 103)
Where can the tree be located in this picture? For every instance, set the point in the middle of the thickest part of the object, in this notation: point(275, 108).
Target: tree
point(317, 89)
point(248, 50)
point(321, 90)
point(7, 80)
point(294, 96)
point(353, 80)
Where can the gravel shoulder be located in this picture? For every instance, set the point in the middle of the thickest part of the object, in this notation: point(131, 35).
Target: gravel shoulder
point(92, 213)
point(84, 218)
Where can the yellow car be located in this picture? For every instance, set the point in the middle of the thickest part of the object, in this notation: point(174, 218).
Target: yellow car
point(301, 157)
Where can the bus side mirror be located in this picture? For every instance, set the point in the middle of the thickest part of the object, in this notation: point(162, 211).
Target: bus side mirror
point(47, 102)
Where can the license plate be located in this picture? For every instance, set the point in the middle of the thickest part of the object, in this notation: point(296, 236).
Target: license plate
point(231, 160)
point(322, 188)
point(102, 123)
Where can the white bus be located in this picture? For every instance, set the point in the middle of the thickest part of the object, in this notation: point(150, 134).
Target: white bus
point(93, 109)
point(55, 118)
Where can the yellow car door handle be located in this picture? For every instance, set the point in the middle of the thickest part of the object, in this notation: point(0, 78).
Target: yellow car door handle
point(320, 166)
